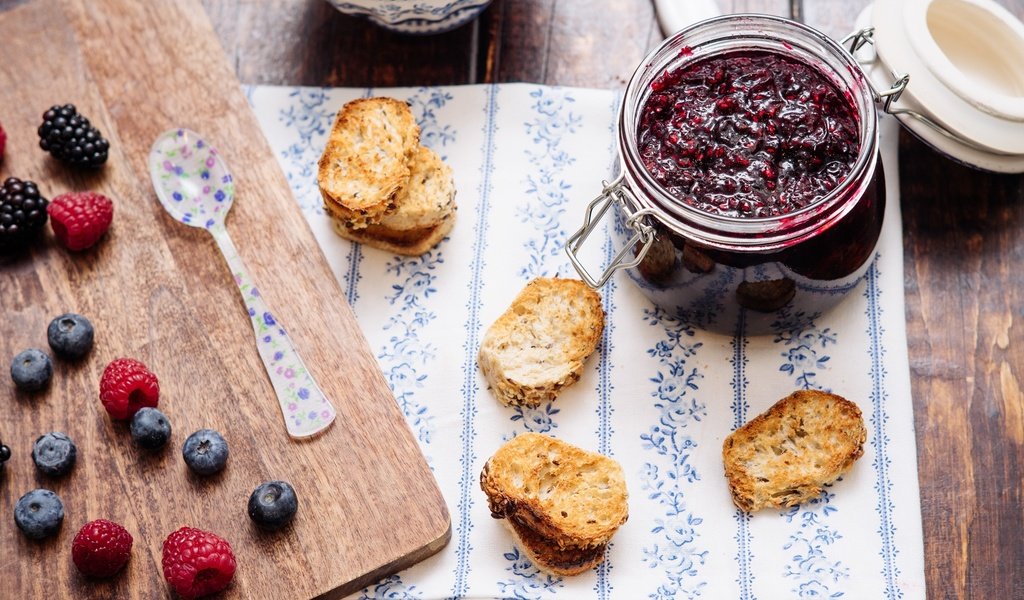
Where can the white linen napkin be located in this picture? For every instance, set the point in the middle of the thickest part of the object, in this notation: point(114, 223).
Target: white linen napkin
point(658, 396)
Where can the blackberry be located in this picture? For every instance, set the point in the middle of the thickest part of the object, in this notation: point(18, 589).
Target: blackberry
point(22, 213)
point(71, 139)
point(5, 455)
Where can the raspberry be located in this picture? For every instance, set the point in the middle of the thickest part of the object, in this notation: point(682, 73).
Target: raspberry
point(197, 563)
point(79, 219)
point(3, 141)
point(101, 548)
point(126, 386)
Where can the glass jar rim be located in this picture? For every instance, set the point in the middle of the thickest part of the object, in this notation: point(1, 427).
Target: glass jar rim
point(747, 233)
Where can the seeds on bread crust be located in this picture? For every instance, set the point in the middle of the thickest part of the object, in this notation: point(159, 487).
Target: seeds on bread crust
point(366, 160)
point(539, 345)
point(784, 456)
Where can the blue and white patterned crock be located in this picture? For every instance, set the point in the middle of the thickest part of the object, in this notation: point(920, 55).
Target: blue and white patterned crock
point(414, 16)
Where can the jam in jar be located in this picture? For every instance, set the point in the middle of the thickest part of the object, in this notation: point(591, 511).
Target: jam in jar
point(750, 180)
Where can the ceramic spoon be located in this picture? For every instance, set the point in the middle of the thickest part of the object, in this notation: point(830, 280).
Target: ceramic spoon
point(195, 187)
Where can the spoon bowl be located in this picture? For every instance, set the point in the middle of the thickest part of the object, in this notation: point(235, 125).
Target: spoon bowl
point(191, 179)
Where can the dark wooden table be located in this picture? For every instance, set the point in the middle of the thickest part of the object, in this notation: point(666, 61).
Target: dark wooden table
point(963, 233)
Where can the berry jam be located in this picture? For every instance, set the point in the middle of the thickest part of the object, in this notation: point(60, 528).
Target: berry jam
point(747, 134)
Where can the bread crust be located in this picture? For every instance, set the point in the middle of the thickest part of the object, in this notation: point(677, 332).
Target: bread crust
point(539, 345)
point(406, 243)
point(785, 455)
point(552, 558)
point(366, 160)
point(572, 498)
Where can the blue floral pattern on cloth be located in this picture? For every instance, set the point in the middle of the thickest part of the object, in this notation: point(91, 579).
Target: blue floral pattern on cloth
point(816, 575)
point(805, 345)
point(678, 552)
point(527, 581)
point(659, 396)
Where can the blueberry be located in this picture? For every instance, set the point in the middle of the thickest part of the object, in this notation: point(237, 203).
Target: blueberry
point(273, 505)
point(70, 335)
point(31, 370)
point(150, 428)
point(205, 452)
point(39, 514)
point(54, 454)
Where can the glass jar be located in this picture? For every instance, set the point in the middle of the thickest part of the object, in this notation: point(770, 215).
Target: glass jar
point(715, 271)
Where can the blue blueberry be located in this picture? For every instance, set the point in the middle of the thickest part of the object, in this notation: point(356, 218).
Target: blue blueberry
point(273, 505)
point(31, 370)
point(150, 428)
point(54, 454)
point(70, 336)
point(39, 513)
point(205, 452)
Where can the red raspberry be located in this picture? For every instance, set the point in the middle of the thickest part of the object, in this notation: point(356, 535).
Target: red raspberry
point(101, 548)
point(79, 219)
point(126, 386)
point(197, 563)
point(3, 141)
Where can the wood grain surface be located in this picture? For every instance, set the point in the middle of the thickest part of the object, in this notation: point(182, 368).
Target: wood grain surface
point(963, 233)
point(158, 291)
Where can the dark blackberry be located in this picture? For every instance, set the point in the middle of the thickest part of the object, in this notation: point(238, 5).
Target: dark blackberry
point(71, 139)
point(22, 213)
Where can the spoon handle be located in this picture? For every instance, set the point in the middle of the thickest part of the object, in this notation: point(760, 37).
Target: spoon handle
point(305, 409)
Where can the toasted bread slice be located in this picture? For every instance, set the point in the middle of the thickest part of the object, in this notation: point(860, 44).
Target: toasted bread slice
point(366, 160)
point(549, 557)
point(424, 211)
point(428, 198)
point(412, 242)
point(561, 493)
point(538, 346)
point(784, 456)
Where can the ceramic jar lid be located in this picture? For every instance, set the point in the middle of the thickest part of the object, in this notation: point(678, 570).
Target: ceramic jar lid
point(952, 71)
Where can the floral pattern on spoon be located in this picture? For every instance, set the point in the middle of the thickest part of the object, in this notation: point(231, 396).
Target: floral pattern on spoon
point(196, 188)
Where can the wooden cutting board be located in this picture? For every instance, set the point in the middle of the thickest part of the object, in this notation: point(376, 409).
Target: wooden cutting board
point(159, 291)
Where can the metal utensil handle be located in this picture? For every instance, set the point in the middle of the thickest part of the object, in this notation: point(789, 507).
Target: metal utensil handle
point(866, 37)
point(305, 409)
point(615, 192)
